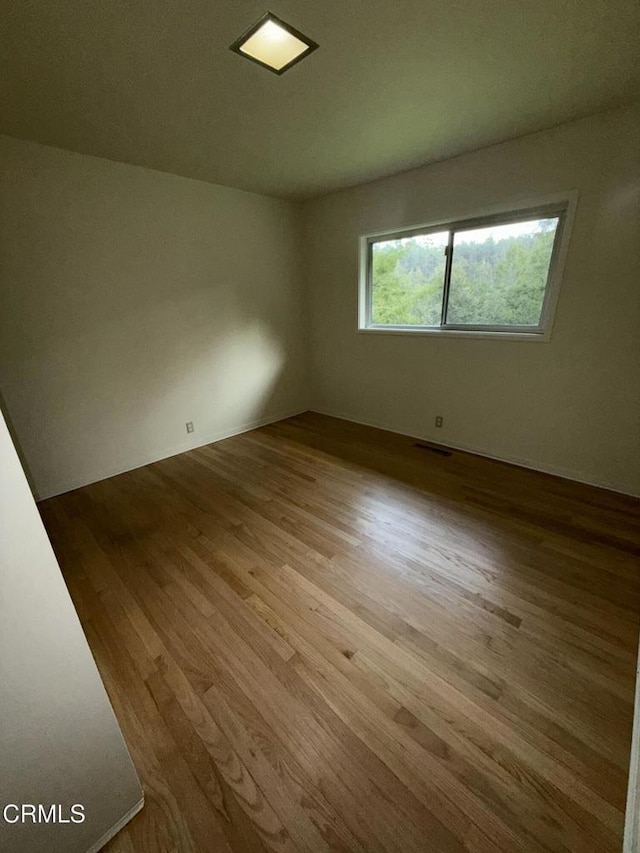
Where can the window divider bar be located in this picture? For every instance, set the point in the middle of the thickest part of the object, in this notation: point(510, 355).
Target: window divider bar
point(369, 287)
point(447, 279)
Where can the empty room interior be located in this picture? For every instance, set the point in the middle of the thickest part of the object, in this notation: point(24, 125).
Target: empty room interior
point(320, 426)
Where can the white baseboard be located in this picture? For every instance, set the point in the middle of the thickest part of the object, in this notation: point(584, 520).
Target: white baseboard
point(115, 829)
point(565, 474)
point(188, 444)
point(130, 465)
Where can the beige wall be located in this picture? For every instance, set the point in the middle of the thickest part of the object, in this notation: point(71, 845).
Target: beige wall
point(132, 301)
point(59, 741)
point(570, 406)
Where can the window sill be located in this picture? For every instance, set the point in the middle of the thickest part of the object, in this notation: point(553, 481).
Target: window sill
point(535, 337)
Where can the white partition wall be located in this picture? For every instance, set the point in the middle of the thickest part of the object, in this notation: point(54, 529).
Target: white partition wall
point(67, 782)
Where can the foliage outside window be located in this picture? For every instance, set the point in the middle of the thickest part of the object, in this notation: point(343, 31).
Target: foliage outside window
point(489, 274)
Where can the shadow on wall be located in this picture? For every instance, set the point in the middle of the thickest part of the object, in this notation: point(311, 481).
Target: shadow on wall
point(118, 394)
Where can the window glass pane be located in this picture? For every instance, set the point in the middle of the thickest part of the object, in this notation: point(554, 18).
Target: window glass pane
point(499, 273)
point(407, 279)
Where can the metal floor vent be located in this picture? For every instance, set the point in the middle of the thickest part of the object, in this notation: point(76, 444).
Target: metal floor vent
point(439, 450)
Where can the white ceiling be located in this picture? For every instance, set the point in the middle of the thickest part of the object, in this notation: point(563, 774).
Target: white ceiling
point(393, 85)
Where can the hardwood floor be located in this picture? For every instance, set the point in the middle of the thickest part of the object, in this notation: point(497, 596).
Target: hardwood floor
point(317, 636)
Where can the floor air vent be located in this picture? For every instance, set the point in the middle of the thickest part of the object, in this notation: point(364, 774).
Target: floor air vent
point(440, 451)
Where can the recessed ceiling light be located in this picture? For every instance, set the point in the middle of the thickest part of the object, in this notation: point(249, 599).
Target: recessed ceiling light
point(274, 44)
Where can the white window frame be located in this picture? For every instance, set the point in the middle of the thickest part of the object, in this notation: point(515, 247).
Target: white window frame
point(562, 206)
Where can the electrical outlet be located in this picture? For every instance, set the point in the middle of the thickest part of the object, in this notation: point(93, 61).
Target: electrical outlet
point(439, 421)
point(189, 426)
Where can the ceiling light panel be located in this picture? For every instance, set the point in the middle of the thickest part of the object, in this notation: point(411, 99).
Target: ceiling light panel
point(274, 44)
